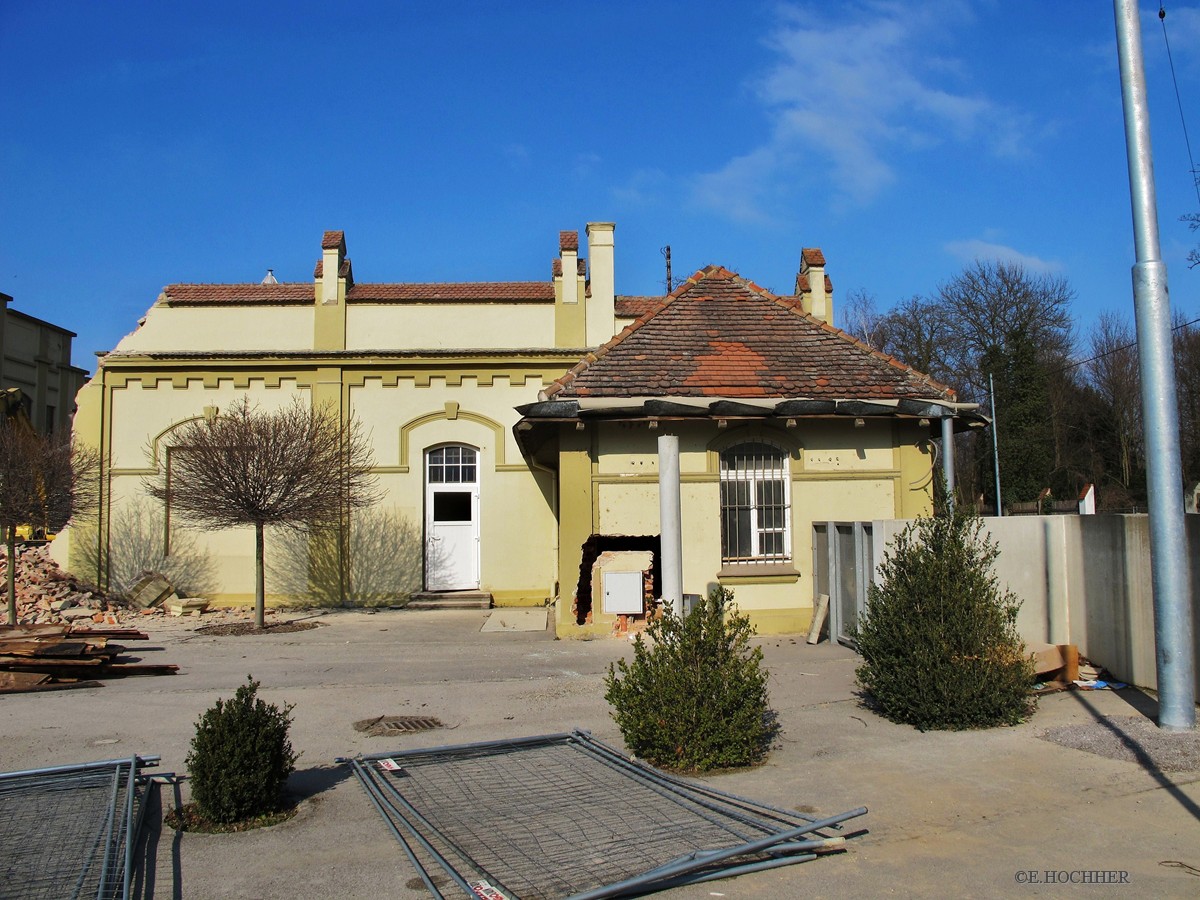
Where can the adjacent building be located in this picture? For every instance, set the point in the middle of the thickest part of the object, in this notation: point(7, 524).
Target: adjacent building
point(35, 357)
point(514, 427)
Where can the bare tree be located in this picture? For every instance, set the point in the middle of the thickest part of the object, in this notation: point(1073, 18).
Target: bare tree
point(296, 468)
point(1113, 373)
point(44, 479)
point(860, 319)
point(918, 332)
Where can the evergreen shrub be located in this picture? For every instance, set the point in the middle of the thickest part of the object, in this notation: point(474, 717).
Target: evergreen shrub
point(241, 757)
point(938, 639)
point(694, 697)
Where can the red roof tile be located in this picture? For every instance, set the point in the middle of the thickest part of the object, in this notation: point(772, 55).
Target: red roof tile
point(568, 240)
point(286, 294)
point(304, 292)
point(813, 256)
point(629, 306)
point(333, 240)
point(720, 335)
point(462, 292)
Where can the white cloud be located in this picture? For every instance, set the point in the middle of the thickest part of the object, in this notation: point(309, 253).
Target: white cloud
point(973, 249)
point(849, 91)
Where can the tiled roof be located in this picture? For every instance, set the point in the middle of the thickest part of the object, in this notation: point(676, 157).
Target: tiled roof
point(629, 306)
point(333, 240)
point(813, 256)
point(462, 292)
point(287, 294)
point(568, 240)
point(719, 335)
point(292, 293)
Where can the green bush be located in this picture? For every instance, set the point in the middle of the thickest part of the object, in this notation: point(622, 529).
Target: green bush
point(695, 695)
point(241, 757)
point(938, 638)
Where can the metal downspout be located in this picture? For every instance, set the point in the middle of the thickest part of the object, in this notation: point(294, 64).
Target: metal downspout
point(948, 460)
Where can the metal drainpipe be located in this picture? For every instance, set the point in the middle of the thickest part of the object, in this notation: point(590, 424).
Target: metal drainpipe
point(670, 526)
point(1168, 538)
point(948, 460)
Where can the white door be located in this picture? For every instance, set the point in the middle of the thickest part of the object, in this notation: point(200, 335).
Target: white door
point(452, 519)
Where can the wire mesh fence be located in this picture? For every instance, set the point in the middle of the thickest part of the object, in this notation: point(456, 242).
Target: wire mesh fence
point(69, 831)
point(567, 816)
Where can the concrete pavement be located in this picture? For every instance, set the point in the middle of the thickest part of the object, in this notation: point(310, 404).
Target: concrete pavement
point(968, 814)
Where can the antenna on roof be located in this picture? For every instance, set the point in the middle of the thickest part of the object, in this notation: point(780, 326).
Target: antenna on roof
point(270, 279)
point(666, 251)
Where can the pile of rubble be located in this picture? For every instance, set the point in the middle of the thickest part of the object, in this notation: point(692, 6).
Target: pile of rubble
point(47, 595)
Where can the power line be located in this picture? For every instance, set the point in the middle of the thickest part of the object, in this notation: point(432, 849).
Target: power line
point(1084, 362)
point(1162, 17)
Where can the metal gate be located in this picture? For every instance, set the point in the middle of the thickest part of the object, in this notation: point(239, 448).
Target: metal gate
point(843, 554)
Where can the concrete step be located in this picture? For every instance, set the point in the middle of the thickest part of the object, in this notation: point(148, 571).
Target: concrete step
point(450, 600)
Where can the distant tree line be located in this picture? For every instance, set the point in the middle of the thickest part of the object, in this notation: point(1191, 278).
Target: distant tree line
point(1068, 404)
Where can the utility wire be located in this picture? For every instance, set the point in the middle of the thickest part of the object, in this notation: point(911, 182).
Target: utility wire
point(1162, 17)
point(1084, 362)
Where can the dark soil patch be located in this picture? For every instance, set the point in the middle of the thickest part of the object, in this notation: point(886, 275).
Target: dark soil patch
point(188, 818)
point(240, 628)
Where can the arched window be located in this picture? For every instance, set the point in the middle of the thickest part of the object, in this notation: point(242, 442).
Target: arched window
point(755, 515)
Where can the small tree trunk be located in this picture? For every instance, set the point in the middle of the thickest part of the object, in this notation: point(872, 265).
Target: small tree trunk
point(260, 599)
point(12, 575)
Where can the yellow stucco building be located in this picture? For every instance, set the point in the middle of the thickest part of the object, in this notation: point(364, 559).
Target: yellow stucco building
point(514, 427)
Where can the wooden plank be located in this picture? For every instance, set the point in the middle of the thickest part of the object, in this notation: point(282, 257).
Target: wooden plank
point(51, 686)
point(43, 648)
point(129, 634)
point(21, 662)
point(15, 681)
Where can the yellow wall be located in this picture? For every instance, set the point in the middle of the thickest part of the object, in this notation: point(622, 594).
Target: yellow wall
point(431, 326)
point(196, 329)
point(838, 473)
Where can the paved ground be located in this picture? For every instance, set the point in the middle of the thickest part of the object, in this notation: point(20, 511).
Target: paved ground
point(951, 814)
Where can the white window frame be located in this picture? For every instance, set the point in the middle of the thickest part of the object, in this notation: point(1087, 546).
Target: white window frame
point(768, 465)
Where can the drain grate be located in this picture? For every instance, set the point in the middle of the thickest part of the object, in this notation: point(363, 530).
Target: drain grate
point(383, 726)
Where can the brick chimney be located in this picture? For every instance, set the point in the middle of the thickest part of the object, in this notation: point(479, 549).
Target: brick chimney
point(817, 301)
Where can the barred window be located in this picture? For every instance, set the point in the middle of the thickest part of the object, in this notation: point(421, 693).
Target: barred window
point(755, 518)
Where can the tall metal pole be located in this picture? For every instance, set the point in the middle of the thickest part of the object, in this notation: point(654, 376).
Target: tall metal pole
point(670, 531)
point(1168, 538)
point(995, 445)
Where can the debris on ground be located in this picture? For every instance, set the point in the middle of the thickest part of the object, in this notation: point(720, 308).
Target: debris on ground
point(566, 815)
point(49, 595)
point(54, 657)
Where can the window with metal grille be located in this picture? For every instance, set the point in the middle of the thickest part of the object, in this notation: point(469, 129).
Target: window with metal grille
point(755, 517)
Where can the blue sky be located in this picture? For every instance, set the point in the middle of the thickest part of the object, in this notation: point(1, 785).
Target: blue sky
point(150, 143)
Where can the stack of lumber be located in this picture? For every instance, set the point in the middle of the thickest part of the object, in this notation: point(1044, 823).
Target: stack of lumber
point(54, 657)
point(46, 594)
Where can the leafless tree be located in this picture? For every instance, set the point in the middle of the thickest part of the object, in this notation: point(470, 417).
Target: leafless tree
point(295, 468)
point(990, 304)
point(44, 479)
point(1113, 373)
point(859, 318)
point(918, 332)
